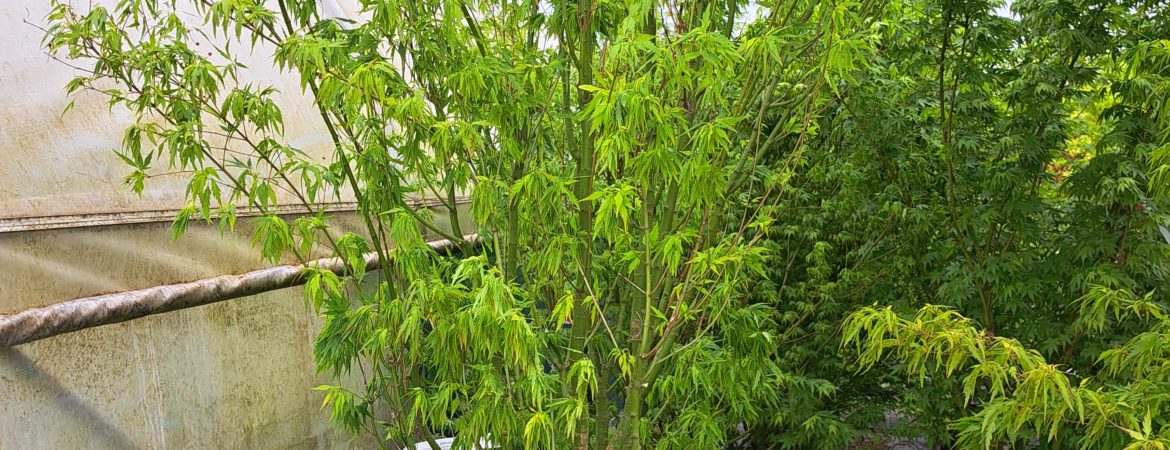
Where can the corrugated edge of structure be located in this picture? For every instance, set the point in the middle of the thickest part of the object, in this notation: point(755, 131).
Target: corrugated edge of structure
point(14, 224)
point(74, 315)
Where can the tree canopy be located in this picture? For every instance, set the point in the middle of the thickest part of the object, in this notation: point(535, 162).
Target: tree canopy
point(692, 223)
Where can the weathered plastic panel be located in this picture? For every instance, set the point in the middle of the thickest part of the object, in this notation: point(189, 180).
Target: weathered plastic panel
point(235, 374)
point(60, 167)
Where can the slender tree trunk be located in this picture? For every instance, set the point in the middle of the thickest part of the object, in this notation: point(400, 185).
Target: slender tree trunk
point(583, 186)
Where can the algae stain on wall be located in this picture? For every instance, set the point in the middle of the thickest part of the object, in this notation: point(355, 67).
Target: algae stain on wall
point(235, 374)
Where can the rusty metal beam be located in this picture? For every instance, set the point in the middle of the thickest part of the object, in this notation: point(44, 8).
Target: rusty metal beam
point(74, 315)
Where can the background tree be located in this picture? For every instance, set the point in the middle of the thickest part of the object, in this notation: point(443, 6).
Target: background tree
point(1008, 165)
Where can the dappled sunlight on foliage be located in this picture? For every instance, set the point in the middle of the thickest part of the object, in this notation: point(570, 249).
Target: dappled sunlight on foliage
point(687, 224)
